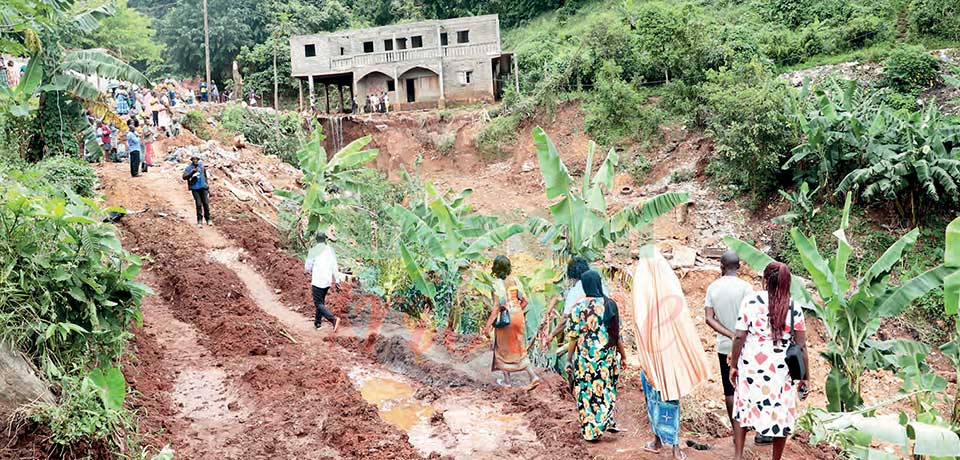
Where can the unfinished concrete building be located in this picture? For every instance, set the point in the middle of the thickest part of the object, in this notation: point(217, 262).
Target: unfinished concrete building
point(423, 64)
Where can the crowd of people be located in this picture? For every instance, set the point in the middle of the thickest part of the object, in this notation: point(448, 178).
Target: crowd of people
point(754, 331)
point(147, 117)
point(373, 103)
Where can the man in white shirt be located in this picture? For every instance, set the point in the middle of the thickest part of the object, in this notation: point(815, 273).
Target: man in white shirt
point(722, 304)
point(321, 264)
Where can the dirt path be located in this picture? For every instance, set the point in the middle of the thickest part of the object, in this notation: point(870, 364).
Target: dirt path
point(250, 377)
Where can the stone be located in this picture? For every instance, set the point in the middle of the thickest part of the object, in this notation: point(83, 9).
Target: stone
point(683, 257)
point(20, 382)
point(267, 187)
point(527, 167)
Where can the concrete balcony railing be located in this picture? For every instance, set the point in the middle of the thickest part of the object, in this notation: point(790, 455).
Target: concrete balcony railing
point(472, 49)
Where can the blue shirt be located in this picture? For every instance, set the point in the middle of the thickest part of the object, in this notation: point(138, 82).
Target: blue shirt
point(133, 142)
point(201, 182)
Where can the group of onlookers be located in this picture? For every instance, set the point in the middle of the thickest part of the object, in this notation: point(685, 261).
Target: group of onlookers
point(10, 73)
point(374, 103)
point(754, 331)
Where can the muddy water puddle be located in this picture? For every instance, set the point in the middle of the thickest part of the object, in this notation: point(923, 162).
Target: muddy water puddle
point(461, 426)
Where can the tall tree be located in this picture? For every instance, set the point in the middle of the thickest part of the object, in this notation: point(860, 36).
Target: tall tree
point(233, 25)
point(129, 34)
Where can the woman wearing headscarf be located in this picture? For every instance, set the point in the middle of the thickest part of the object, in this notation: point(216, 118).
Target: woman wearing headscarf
point(671, 356)
point(594, 325)
point(766, 394)
point(510, 342)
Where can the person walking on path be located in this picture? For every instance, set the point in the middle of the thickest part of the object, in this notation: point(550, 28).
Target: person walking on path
point(13, 75)
point(766, 395)
point(671, 357)
point(196, 177)
point(722, 308)
point(214, 92)
point(134, 148)
point(509, 343)
point(321, 265)
point(598, 359)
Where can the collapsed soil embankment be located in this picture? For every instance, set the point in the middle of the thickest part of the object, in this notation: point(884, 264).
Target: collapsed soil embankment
point(301, 403)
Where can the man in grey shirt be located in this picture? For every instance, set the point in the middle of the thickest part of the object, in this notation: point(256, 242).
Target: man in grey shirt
point(722, 303)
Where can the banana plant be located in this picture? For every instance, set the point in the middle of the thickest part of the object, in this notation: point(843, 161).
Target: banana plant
point(851, 312)
point(951, 304)
point(328, 181)
point(582, 224)
point(443, 235)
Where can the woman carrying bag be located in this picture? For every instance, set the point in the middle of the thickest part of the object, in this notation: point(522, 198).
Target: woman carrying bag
point(508, 322)
point(768, 362)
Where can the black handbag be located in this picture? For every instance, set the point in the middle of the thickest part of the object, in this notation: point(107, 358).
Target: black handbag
point(794, 356)
point(503, 319)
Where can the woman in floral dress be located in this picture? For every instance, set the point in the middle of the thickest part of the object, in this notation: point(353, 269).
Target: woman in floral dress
point(766, 395)
point(594, 325)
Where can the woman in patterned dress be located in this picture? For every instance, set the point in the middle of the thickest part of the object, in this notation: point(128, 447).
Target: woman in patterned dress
point(594, 325)
point(766, 395)
point(509, 343)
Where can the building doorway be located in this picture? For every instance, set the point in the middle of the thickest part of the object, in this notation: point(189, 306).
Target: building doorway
point(411, 90)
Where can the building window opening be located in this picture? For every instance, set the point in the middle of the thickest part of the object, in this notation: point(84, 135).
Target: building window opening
point(367, 47)
point(388, 45)
point(465, 77)
point(444, 41)
point(391, 85)
point(342, 51)
point(463, 36)
point(416, 42)
point(310, 50)
point(401, 43)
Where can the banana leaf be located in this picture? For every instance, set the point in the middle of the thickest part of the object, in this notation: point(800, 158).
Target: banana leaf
point(556, 177)
point(101, 64)
point(416, 275)
point(491, 239)
point(951, 258)
point(894, 303)
point(758, 261)
point(890, 257)
point(353, 155)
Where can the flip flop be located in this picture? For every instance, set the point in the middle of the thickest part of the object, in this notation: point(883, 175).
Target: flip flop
point(533, 384)
point(649, 447)
point(682, 456)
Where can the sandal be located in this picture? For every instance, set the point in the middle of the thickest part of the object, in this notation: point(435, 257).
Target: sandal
point(682, 455)
point(533, 384)
point(651, 447)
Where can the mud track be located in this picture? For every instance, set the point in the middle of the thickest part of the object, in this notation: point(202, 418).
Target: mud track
point(229, 365)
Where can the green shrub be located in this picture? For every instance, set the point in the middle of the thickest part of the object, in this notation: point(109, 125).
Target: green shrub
point(196, 122)
point(73, 300)
point(746, 115)
point(278, 134)
point(638, 168)
point(682, 175)
point(65, 173)
point(444, 142)
point(615, 110)
point(939, 18)
point(910, 69)
point(499, 132)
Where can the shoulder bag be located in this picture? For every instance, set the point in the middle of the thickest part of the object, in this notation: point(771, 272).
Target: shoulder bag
point(503, 318)
point(794, 356)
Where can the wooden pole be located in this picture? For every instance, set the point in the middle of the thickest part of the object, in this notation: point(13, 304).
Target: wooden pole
point(276, 80)
point(340, 87)
point(326, 95)
point(206, 42)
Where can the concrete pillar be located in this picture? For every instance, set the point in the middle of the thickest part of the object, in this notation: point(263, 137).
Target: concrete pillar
point(326, 92)
point(312, 98)
point(443, 94)
point(300, 89)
